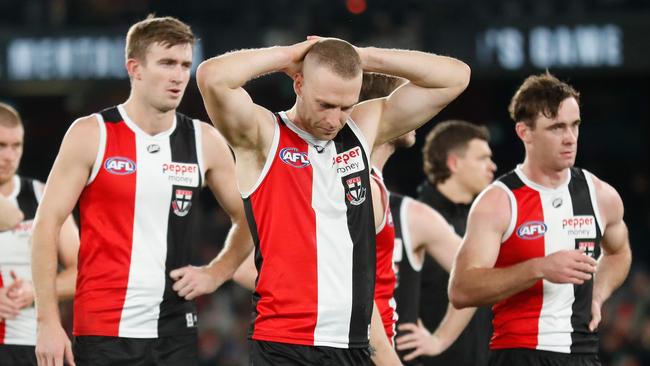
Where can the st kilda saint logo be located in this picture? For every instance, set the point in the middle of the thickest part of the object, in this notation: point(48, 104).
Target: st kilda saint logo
point(182, 202)
point(354, 191)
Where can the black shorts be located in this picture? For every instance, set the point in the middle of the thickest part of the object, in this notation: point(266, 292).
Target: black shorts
point(531, 357)
point(284, 354)
point(180, 350)
point(15, 355)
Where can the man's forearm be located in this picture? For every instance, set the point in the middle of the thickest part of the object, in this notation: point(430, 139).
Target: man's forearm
point(235, 69)
point(453, 324)
point(65, 283)
point(422, 69)
point(495, 284)
point(44, 268)
point(237, 247)
point(610, 274)
point(381, 352)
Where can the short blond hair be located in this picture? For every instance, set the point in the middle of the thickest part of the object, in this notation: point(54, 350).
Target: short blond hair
point(9, 116)
point(167, 31)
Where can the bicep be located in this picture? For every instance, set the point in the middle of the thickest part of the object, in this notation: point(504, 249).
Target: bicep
point(69, 173)
point(487, 222)
point(221, 177)
point(409, 107)
point(433, 232)
point(236, 116)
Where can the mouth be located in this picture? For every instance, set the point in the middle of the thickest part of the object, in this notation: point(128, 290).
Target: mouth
point(175, 91)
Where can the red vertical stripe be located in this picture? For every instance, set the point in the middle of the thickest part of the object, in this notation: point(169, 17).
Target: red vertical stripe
point(516, 319)
point(288, 280)
point(106, 208)
point(385, 276)
point(2, 321)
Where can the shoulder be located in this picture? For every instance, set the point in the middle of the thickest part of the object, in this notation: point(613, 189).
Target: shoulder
point(214, 145)
point(610, 203)
point(493, 207)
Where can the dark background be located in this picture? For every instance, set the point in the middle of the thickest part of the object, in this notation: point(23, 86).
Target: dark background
point(62, 59)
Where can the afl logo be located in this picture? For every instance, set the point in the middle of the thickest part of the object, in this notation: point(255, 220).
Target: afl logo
point(119, 165)
point(531, 230)
point(291, 156)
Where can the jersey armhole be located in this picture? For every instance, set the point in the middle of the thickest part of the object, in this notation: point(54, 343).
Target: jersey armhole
point(406, 234)
point(198, 135)
point(38, 187)
point(513, 210)
point(100, 148)
point(361, 137)
point(269, 159)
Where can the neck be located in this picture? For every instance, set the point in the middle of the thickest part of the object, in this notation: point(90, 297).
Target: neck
point(543, 176)
point(454, 191)
point(148, 118)
point(380, 155)
point(7, 187)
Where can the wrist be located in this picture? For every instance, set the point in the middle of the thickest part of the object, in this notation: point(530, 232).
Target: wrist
point(536, 268)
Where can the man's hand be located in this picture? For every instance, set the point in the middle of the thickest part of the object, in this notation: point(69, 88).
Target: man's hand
point(297, 54)
point(568, 266)
point(53, 345)
point(9, 308)
point(595, 315)
point(21, 291)
point(192, 282)
point(418, 338)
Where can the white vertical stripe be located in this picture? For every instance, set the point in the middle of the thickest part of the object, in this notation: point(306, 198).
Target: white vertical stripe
point(146, 274)
point(555, 316)
point(513, 210)
point(334, 251)
point(198, 140)
point(406, 235)
point(100, 148)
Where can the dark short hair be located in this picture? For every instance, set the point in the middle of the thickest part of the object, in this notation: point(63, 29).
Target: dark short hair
point(444, 138)
point(167, 31)
point(9, 116)
point(539, 94)
point(376, 85)
point(338, 55)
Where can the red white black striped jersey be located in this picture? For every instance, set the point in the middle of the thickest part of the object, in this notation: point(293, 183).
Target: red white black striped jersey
point(310, 214)
point(15, 255)
point(548, 316)
point(136, 213)
point(385, 280)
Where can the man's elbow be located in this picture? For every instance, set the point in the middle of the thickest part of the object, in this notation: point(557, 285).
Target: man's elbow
point(206, 74)
point(459, 297)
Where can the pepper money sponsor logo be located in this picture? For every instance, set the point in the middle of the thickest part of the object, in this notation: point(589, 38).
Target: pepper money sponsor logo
point(119, 165)
point(349, 162)
point(182, 174)
point(580, 227)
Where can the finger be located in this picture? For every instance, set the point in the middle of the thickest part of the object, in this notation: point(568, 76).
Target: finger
point(177, 273)
point(69, 357)
point(193, 295)
point(180, 284)
point(407, 344)
point(410, 337)
point(413, 354)
point(585, 267)
point(58, 360)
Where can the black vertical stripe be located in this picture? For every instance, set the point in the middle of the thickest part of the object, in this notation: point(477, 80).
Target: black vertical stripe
point(111, 115)
point(259, 260)
point(511, 180)
point(361, 224)
point(178, 315)
point(407, 291)
point(582, 340)
point(27, 198)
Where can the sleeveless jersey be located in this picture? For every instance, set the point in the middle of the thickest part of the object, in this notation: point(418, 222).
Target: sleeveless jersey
point(407, 265)
point(15, 255)
point(310, 214)
point(548, 316)
point(136, 226)
point(385, 277)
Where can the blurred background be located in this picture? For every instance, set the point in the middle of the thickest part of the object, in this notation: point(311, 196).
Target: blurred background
point(62, 59)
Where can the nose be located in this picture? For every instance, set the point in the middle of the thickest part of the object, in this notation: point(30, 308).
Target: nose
point(493, 166)
point(571, 136)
